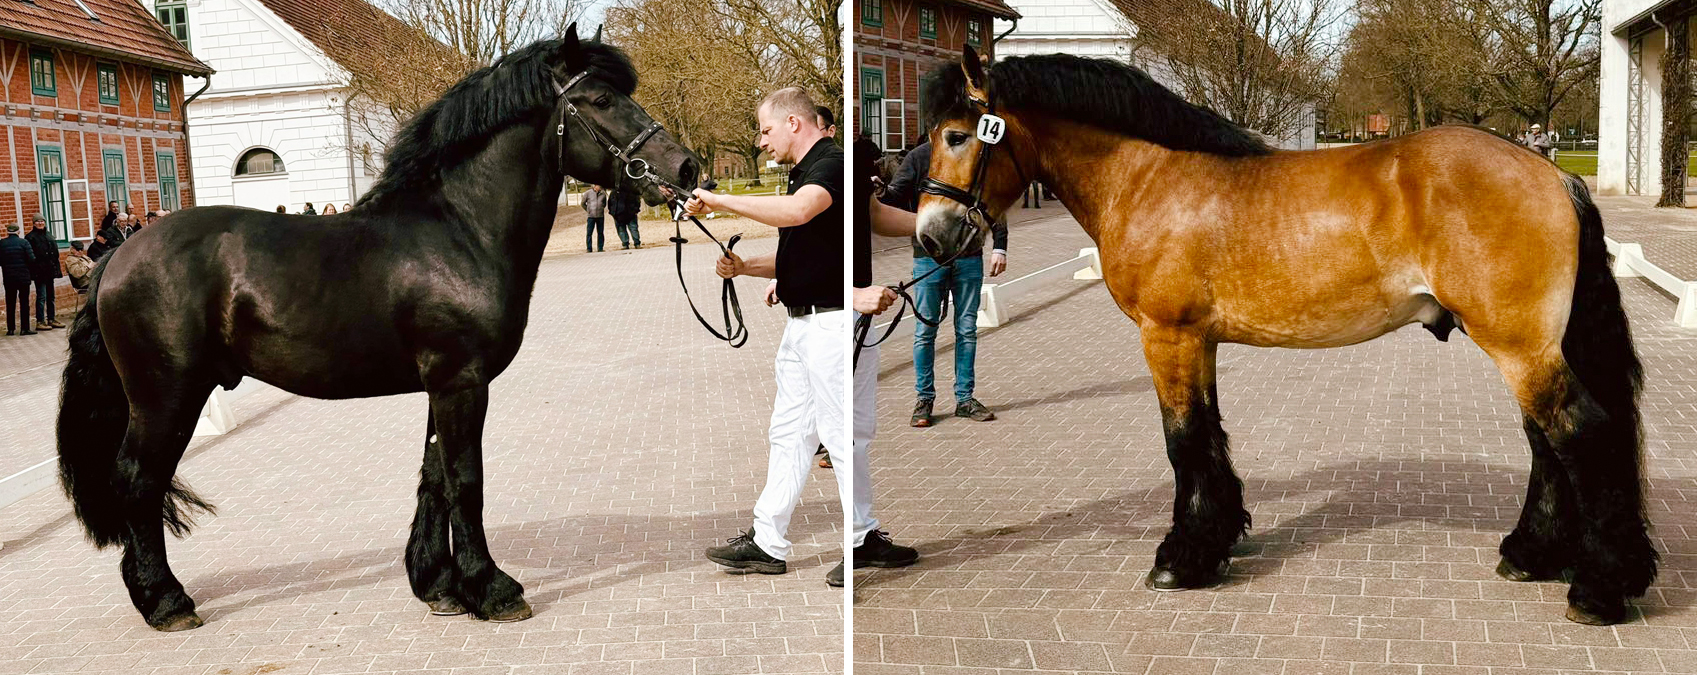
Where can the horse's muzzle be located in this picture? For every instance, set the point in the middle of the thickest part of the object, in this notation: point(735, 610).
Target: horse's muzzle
point(942, 235)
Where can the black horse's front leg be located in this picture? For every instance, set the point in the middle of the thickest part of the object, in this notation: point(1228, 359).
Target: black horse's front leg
point(1208, 513)
point(430, 562)
point(485, 590)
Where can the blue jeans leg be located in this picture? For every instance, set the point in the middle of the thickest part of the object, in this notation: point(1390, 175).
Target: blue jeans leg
point(591, 230)
point(635, 234)
point(965, 283)
point(619, 229)
point(928, 301)
point(44, 301)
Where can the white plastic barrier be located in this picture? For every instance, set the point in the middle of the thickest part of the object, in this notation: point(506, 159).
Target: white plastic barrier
point(28, 482)
point(1630, 263)
point(993, 298)
point(218, 417)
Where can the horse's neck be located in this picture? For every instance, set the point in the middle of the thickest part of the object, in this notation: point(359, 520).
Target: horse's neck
point(509, 195)
point(1097, 175)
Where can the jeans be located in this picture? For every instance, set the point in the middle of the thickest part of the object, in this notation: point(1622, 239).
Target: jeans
point(630, 226)
point(44, 301)
point(619, 228)
point(591, 231)
point(961, 279)
point(17, 304)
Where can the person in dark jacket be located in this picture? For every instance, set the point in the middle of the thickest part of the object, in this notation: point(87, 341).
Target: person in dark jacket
point(111, 217)
point(961, 279)
point(100, 247)
point(16, 257)
point(43, 272)
point(623, 205)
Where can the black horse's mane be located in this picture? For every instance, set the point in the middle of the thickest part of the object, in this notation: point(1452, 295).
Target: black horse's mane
point(517, 86)
point(1102, 93)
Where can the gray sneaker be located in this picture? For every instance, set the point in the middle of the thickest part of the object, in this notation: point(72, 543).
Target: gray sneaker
point(973, 410)
point(921, 413)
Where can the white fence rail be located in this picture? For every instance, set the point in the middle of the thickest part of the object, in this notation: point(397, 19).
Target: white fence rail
point(1630, 262)
point(993, 299)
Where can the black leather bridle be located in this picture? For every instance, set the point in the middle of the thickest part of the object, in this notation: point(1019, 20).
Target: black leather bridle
point(990, 131)
point(735, 334)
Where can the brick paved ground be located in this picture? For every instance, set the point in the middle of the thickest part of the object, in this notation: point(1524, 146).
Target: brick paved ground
point(621, 442)
point(1381, 478)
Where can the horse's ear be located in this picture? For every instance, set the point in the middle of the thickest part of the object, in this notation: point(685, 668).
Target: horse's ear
point(597, 37)
point(973, 67)
point(570, 52)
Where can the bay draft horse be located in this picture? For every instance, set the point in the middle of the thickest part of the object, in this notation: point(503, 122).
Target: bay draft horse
point(1207, 235)
point(425, 285)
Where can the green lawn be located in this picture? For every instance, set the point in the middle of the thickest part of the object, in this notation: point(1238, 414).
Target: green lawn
point(1584, 162)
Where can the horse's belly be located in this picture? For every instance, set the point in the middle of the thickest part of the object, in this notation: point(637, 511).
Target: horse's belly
point(1301, 328)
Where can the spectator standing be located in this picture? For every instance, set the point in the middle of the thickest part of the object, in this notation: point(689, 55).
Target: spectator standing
point(309, 211)
point(44, 272)
point(111, 217)
point(282, 209)
point(624, 205)
point(960, 280)
point(1538, 140)
point(16, 258)
point(594, 205)
point(79, 267)
point(329, 209)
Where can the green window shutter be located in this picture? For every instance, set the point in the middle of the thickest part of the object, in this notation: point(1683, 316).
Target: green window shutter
point(927, 23)
point(872, 12)
point(161, 93)
point(117, 189)
point(108, 83)
point(42, 81)
point(167, 167)
point(50, 170)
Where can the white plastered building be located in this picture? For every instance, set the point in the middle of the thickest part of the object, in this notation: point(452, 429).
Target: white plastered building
point(274, 127)
point(1629, 134)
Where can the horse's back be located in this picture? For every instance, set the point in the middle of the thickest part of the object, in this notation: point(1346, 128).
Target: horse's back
point(305, 303)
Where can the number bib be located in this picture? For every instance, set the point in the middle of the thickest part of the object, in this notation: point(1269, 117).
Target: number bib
point(991, 128)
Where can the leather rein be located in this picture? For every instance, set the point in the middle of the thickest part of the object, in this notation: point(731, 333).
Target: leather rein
point(735, 330)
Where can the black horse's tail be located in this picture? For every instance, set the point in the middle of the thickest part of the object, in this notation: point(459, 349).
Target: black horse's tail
point(1598, 342)
point(94, 415)
point(1598, 349)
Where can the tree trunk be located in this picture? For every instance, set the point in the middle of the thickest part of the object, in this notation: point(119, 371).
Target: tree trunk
point(1676, 111)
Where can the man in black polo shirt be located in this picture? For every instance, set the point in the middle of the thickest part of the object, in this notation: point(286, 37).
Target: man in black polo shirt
point(808, 265)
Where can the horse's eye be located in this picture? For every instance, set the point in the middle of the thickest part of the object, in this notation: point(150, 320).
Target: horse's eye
point(603, 102)
point(954, 138)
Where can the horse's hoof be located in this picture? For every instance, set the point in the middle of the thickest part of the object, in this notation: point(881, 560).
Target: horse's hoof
point(179, 622)
point(446, 607)
point(1596, 614)
point(1167, 580)
point(1509, 571)
point(518, 611)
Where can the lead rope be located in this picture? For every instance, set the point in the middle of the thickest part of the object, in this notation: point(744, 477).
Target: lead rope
point(863, 324)
point(729, 305)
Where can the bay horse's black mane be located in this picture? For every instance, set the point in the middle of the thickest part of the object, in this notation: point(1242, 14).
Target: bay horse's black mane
point(1102, 93)
point(490, 98)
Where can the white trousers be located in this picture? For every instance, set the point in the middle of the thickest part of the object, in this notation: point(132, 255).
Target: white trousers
point(807, 411)
point(865, 427)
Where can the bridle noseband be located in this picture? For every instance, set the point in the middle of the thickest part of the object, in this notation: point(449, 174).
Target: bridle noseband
point(735, 334)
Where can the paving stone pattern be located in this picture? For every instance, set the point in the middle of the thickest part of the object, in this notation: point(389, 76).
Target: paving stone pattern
point(1381, 478)
point(620, 443)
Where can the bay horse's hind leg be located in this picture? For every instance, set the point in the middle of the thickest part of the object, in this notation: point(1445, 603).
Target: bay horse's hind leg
point(1208, 513)
point(430, 562)
point(486, 591)
point(1542, 545)
point(161, 426)
point(1592, 452)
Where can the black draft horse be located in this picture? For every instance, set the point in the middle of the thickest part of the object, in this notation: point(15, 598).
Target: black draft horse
point(424, 286)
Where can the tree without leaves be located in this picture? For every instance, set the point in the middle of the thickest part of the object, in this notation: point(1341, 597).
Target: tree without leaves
point(1260, 63)
point(1537, 51)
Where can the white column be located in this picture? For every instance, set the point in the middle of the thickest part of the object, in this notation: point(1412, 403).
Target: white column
point(1612, 115)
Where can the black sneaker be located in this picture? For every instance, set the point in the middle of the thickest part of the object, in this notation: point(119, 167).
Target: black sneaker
point(744, 554)
point(834, 578)
point(973, 410)
point(921, 413)
point(879, 551)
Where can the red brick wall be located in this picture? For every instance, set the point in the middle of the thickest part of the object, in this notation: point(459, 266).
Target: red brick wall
point(897, 50)
point(76, 122)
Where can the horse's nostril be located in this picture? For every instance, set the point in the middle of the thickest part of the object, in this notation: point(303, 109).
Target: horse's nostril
point(687, 172)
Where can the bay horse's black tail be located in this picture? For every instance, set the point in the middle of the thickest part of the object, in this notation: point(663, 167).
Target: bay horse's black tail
point(1598, 349)
point(94, 415)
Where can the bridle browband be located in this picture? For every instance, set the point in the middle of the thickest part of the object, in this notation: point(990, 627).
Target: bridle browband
point(735, 335)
